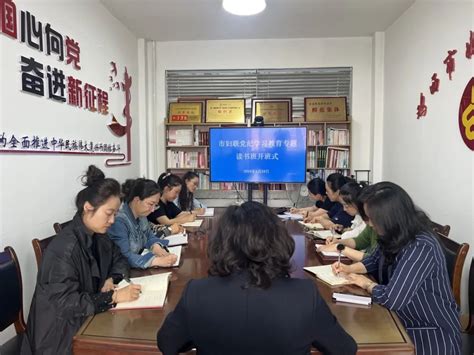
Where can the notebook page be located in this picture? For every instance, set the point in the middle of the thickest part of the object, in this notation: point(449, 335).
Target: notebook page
point(176, 250)
point(324, 272)
point(177, 239)
point(196, 223)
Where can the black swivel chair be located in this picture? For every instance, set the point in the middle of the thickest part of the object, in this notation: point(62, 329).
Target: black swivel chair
point(11, 300)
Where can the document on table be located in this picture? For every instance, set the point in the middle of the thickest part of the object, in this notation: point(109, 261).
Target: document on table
point(153, 295)
point(288, 215)
point(326, 253)
point(312, 225)
point(177, 239)
point(324, 234)
point(348, 298)
point(324, 272)
point(196, 223)
point(209, 212)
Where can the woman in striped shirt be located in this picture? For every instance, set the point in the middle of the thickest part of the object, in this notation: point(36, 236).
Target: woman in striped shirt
point(411, 268)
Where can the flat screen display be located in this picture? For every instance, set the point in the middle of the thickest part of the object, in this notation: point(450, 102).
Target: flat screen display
point(258, 154)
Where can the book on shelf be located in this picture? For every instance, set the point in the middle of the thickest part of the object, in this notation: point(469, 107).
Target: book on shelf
point(337, 136)
point(324, 273)
point(186, 159)
point(180, 136)
point(337, 158)
point(153, 295)
point(316, 137)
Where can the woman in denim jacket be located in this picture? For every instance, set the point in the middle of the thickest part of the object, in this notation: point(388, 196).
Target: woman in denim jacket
point(131, 231)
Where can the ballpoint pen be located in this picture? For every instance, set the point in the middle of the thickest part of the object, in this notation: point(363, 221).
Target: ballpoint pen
point(130, 282)
point(340, 248)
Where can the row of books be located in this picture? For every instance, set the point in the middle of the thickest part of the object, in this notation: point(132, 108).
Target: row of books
point(184, 159)
point(324, 173)
point(337, 136)
point(316, 137)
point(186, 137)
point(337, 158)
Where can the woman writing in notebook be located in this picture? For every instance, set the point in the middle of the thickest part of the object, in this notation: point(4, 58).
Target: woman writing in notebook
point(412, 277)
point(249, 304)
point(186, 200)
point(131, 230)
point(317, 192)
point(361, 240)
point(167, 212)
point(79, 271)
point(336, 218)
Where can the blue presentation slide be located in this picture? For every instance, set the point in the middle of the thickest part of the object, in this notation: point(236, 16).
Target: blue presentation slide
point(258, 154)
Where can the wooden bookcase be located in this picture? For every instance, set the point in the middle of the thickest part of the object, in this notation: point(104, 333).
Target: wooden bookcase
point(328, 150)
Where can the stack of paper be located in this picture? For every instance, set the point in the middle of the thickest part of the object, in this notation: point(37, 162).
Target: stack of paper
point(153, 295)
point(325, 273)
point(326, 253)
point(348, 298)
point(209, 212)
point(288, 215)
point(312, 225)
point(177, 239)
point(196, 223)
point(324, 234)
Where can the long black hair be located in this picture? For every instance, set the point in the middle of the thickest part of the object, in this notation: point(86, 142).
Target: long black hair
point(186, 197)
point(141, 188)
point(316, 186)
point(98, 189)
point(336, 181)
point(350, 194)
point(395, 217)
point(251, 238)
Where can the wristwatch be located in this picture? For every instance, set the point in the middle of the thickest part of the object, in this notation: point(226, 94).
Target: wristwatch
point(340, 247)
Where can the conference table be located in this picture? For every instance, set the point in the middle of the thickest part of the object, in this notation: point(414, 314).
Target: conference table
point(375, 329)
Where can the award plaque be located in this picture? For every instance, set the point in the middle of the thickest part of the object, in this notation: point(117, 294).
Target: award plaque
point(272, 110)
point(225, 111)
point(185, 112)
point(318, 109)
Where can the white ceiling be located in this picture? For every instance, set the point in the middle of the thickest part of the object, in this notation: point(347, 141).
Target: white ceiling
point(187, 20)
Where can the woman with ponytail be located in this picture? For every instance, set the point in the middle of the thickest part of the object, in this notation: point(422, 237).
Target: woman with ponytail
point(79, 271)
point(131, 230)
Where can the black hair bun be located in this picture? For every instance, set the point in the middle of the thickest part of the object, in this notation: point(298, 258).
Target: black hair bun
point(93, 175)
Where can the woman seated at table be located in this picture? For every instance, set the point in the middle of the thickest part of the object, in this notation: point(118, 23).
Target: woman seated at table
point(131, 230)
point(361, 240)
point(412, 278)
point(336, 218)
point(167, 212)
point(186, 200)
point(78, 272)
point(249, 304)
point(317, 193)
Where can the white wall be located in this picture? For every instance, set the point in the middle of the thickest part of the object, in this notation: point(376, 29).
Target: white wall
point(427, 157)
point(250, 54)
point(36, 190)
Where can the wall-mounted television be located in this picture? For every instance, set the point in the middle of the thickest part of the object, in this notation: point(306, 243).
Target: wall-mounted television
point(258, 154)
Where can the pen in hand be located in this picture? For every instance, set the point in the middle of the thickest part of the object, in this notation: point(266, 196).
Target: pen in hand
point(130, 282)
point(340, 248)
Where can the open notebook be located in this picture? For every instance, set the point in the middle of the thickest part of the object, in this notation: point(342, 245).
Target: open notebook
point(177, 239)
point(324, 273)
point(324, 234)
point(327, 253)
point(209, 212)
point(154, 289)
point(196, 223)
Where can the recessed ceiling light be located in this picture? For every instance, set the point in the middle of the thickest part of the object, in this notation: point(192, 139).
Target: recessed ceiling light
point(244, 7)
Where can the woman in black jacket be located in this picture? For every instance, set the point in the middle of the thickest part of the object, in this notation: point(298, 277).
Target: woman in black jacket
point(249, 304)
point(79, 271)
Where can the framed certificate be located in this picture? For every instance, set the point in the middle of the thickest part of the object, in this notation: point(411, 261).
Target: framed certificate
point(272, 110)
point(332, 109)
point(225, 111)
point(185, 112)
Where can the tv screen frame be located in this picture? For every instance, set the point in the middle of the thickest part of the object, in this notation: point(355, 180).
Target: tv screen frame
point(303, 181)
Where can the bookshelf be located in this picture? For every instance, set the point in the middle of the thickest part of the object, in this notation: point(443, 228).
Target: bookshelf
point(328, 150)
